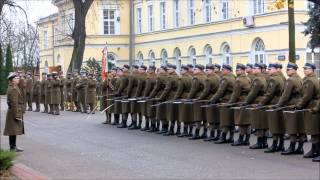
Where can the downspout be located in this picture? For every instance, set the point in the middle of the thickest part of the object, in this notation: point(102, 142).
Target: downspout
point(131, 34)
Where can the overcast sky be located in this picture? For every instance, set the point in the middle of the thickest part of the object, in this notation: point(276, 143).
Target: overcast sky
point(37, 9)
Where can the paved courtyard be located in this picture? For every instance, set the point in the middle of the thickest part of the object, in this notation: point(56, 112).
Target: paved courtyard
point(71, 146)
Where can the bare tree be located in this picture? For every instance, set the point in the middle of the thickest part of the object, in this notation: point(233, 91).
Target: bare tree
point(315, 1)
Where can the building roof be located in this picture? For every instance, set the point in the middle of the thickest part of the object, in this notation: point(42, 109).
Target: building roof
point(48, 18)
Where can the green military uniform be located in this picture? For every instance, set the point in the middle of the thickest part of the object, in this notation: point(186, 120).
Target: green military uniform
point(55, 94)
point(82, 86)
point(62, 92)
point(91, 94)
point(75, 93)
point(108, 88)
point(36, 94)
point(48, 91)
point(68, 93)
point(22, 87)
point(14, 120)
point(44, 82)
point(29, 85)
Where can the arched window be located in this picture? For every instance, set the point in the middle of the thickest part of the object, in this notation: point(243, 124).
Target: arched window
point(314, 57)
point(139, 59)
point(112, 58)
point(208, 54)
point(164, 57)
point(177, 58)
point(225, 54)
point(192, 55)
point(258, 50)
point(152, 58)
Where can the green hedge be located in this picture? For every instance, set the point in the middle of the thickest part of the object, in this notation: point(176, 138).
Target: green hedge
point(6, 158)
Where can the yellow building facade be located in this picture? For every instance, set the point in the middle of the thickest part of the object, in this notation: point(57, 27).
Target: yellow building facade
point(178, 32)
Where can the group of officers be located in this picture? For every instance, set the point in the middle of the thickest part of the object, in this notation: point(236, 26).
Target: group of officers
point(256, 99)
point(55, 92)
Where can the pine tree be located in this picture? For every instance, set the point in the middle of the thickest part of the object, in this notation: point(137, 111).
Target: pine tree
point(2, 73)
point(313, 26)
point(9, 64)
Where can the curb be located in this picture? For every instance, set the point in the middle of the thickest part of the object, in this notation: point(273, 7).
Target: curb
point(25, 173)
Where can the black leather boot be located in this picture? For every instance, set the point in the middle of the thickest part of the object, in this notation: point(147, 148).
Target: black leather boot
point(184, 132)
point(314, 151)
point(258, 145)
point(239, 142)
point(164, 129)
point(204, 134)
point(247, 140)
point(281, 144)
point(195, 135)
point(139, 121)
point(222, 139)
point(123, 122)
point(273, 147)
point(316, 159)
point(146, 126)
point(210, 137)
point(217, 136)
point(299, 150)
point(170, 132)
point(290, 149)
point(179, 130)
point(190, 134)
point(231, 139)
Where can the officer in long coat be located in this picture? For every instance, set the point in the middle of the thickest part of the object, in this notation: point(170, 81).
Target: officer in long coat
point(48, 91)
point(36, 92)
point(55, 93)
point(91, 93)
point(81, 87)
point(62, 90)
point(68, 91)
point(29, 85)
point(14, 120)
point(43, 92)
point(75, 92)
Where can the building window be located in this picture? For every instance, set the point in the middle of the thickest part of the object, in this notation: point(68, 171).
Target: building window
point(192, 55)
point(226, 56)
point(67, 22)
point(191, 12)
point(164, 57)
point(258, 6)
point(109, 21)
point(150, 18)
point(259, 55)
point(45, 39)
point(139, 20)
point(152, 59)
point(177, 58)
point(175, 13)
point(314, 57)
point(206, 11)
point(208, 54)
point(224, 9)
point(139, 60)
point(162, 15)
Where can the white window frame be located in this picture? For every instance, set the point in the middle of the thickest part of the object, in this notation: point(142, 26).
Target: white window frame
point(45, 39)
point(139, 19)
point(139, 60)
point(206, 11)
point(192, 53)
point(164, 57)
point(152, 58)
point(224, 9)
point(176, 13)
point(208, 54)
point(257, 7)
point(162, 19)
point(67, 21)
point(109, 20)
point(191, 12)
point(226, 57)
point(116, 15)
point(258, 56)
point(177, 59)
point(150, 16)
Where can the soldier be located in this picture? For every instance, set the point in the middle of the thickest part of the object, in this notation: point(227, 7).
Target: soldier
point(22, 87)
point(48, 91)
point(316, 112)
point(91, 93)
point(257, 90)
point(55, 93)
point(265, 72)
point(14, 120)
point(44, 82)
point(311, 94)
point(29, 85)
point(62, 90)
point(249, 71)
point(271, 97)
point(68, 92)
point(150, 82)
point(217, 70)
point(36, 92)
point(75, 92)
point(241, 90)
point(184, 87)
point(82, 86)
point(222, 95)
point(119, 94)
point(290, 96)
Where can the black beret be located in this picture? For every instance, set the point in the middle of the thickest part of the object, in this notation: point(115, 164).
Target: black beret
point(199, 66)
point(249, 65)
point(152, 67)
point(143, 67)
point(292, 66)
point(185, 67)
point(190, 66)
point(135, 66)
point(310, 66)
point(210, 66)
point(163, 67)
point(217, 66)
point(171, 66)
point(227, 66)
point(126, 66)
point(240, 66)
point(257, 65)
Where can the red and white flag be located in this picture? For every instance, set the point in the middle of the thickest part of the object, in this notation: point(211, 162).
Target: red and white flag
point(104, 63)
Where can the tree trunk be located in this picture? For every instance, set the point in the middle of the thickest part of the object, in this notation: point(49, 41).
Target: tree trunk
point(292, 31)
point(79, 34)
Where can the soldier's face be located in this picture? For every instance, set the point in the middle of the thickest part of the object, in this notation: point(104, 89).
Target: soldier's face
point(239, 71)
point(161, 71)
point(272, 70)
point(15, 80)
point(307, 71)
point(209, 71)
point(225, 71)
point(256, 70)
point(290, 72)
point(183, 71)
point(142, 71)
point(248, 70)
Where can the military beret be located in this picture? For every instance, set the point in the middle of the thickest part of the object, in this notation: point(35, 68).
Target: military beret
point(163, 67)
point(249, 65)
point(135, 66)
point(185, 67)
point(264, 66)
point(292, 66)
point(12, 75)
point(171, 66)
point(143, 67)
point(114, 68)
point(190, 66)
point(273, 65)
point(126, 66)
point(199, 66)
point(240, 66)
point(152, 67)
point(218, 66)
point(257, 65)
point(279, 65)
point(310, 66)
point(210, 66)
point(226, 66)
